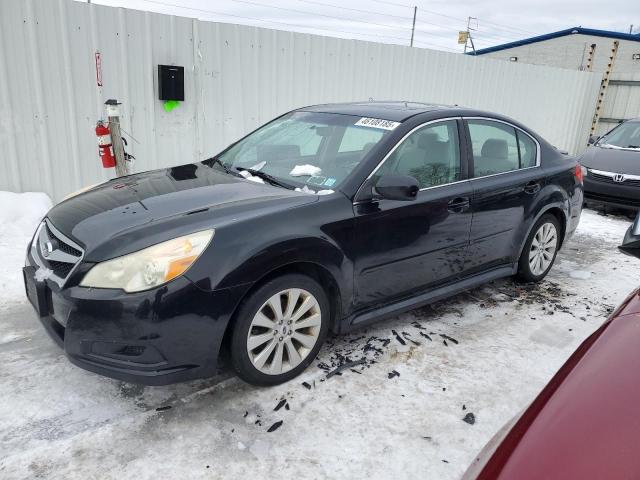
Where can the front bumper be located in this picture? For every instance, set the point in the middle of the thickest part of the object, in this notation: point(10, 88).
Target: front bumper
point(165, 335)
point(609, 194)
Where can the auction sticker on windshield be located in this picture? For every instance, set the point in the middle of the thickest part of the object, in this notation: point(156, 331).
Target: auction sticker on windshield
point(377, 123)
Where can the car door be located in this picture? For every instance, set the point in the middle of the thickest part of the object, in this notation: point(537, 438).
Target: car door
point(506, 179)
point(407, 246)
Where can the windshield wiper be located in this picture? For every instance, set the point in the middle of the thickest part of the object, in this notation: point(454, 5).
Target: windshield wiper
point(633, 146)
point(265, 176)
point(213, 160)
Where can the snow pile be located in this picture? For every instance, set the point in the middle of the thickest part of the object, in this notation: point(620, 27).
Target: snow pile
point(20, 214)
point(310, 191)
point(305, 170)
point(250, 177)
point(609, 227)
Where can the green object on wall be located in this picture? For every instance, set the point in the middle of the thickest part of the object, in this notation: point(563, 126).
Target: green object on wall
point(170, 105)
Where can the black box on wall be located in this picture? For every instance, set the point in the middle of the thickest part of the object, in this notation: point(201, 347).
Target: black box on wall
point(171, 82)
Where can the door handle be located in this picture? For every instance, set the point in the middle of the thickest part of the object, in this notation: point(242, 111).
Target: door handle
point(532, 187)
point(458, 205)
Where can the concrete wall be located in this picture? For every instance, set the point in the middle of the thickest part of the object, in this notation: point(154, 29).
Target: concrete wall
point(236, 78)
point(571, 52)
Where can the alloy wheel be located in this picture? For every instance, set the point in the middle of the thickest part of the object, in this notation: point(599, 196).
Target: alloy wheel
point(283, 331)
point(543, 248)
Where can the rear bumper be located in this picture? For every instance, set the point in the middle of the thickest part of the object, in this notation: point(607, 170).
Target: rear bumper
point(607, 194)
point(166, 335)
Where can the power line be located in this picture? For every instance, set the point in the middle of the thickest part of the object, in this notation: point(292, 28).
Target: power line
point(459, 19)
point(248, 2)
point(508, 27)
point(314, 2)
point(393, 3)
point(288, 24)
point(420, 21)
point(275, 22)
point(347, 32)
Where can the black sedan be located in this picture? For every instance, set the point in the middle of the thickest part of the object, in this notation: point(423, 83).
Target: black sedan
point(613, 168)
point(328, 218)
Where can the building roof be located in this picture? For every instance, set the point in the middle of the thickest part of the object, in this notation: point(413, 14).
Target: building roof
point(634, 37)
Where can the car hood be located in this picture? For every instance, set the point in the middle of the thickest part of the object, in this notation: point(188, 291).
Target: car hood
point(125, 213)
point(612, 160)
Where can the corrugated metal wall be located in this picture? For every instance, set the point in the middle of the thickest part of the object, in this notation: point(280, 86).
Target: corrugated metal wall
point(621, 101)
point(236, 78)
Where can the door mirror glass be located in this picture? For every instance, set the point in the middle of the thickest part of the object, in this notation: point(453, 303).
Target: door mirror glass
point(593, 139)
point(631, 243)
point(397, 187)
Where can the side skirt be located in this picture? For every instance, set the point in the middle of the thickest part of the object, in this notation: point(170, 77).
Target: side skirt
point(368, 317)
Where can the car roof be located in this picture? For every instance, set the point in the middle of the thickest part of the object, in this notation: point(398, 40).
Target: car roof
point(396, 111)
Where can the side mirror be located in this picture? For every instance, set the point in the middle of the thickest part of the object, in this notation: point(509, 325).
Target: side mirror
point(397, 187)
point(631, 243)
point(593, 139)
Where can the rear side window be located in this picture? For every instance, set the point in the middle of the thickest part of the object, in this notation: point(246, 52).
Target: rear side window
point(499, 148)
point(495, 147)
point(528, 150)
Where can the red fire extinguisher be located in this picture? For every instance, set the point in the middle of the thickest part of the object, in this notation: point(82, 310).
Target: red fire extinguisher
point(104, 145)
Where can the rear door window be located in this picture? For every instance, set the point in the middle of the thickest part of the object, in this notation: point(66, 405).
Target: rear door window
point(499, 148)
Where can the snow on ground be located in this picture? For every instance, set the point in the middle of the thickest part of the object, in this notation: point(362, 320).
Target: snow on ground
point(20, 214)
point(486, 352)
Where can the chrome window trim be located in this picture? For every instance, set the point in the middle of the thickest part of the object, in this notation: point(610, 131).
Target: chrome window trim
point(520, 130)
point(613, 174)
point(444, 119)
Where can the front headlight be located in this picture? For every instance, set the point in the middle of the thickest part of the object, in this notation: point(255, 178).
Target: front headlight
point(151, 266)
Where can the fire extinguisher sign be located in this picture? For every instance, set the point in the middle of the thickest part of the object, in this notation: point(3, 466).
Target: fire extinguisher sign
point(98, 69)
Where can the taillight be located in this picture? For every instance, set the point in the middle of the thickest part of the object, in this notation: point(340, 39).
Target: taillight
point(580, 173)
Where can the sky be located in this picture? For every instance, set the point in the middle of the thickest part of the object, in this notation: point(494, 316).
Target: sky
point(389, 21)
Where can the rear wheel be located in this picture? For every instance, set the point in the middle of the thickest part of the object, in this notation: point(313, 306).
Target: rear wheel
point(540, 250)
point(279, 330)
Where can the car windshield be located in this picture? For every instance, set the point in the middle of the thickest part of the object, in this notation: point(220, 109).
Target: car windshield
point(306, 150)
point(626, 136)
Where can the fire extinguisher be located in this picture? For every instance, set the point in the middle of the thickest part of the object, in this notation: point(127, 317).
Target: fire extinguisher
point(104, 145)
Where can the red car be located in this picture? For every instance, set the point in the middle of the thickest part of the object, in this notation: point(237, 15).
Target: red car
point(585, 424)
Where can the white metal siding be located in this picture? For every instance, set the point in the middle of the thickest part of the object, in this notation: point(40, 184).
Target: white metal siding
point(236, 78)
point(621, 101)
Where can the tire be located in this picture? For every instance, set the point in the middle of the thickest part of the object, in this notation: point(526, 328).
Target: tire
point(540, 250)
point(255, 348)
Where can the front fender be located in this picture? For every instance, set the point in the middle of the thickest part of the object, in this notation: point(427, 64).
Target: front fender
point(318, 251)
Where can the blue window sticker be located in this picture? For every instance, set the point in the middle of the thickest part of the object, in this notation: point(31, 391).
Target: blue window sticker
point(330, 182)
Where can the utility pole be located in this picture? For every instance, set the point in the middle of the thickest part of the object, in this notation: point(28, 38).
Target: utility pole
point(113, 114)
point(631, 28)
point(413, 28)
point(469, 38)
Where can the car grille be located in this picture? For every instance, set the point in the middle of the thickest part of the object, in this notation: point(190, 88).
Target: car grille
point(53, 250)
point(607, 177)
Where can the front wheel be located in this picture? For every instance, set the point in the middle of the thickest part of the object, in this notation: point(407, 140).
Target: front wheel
point(279, 330)
point(540, 250)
